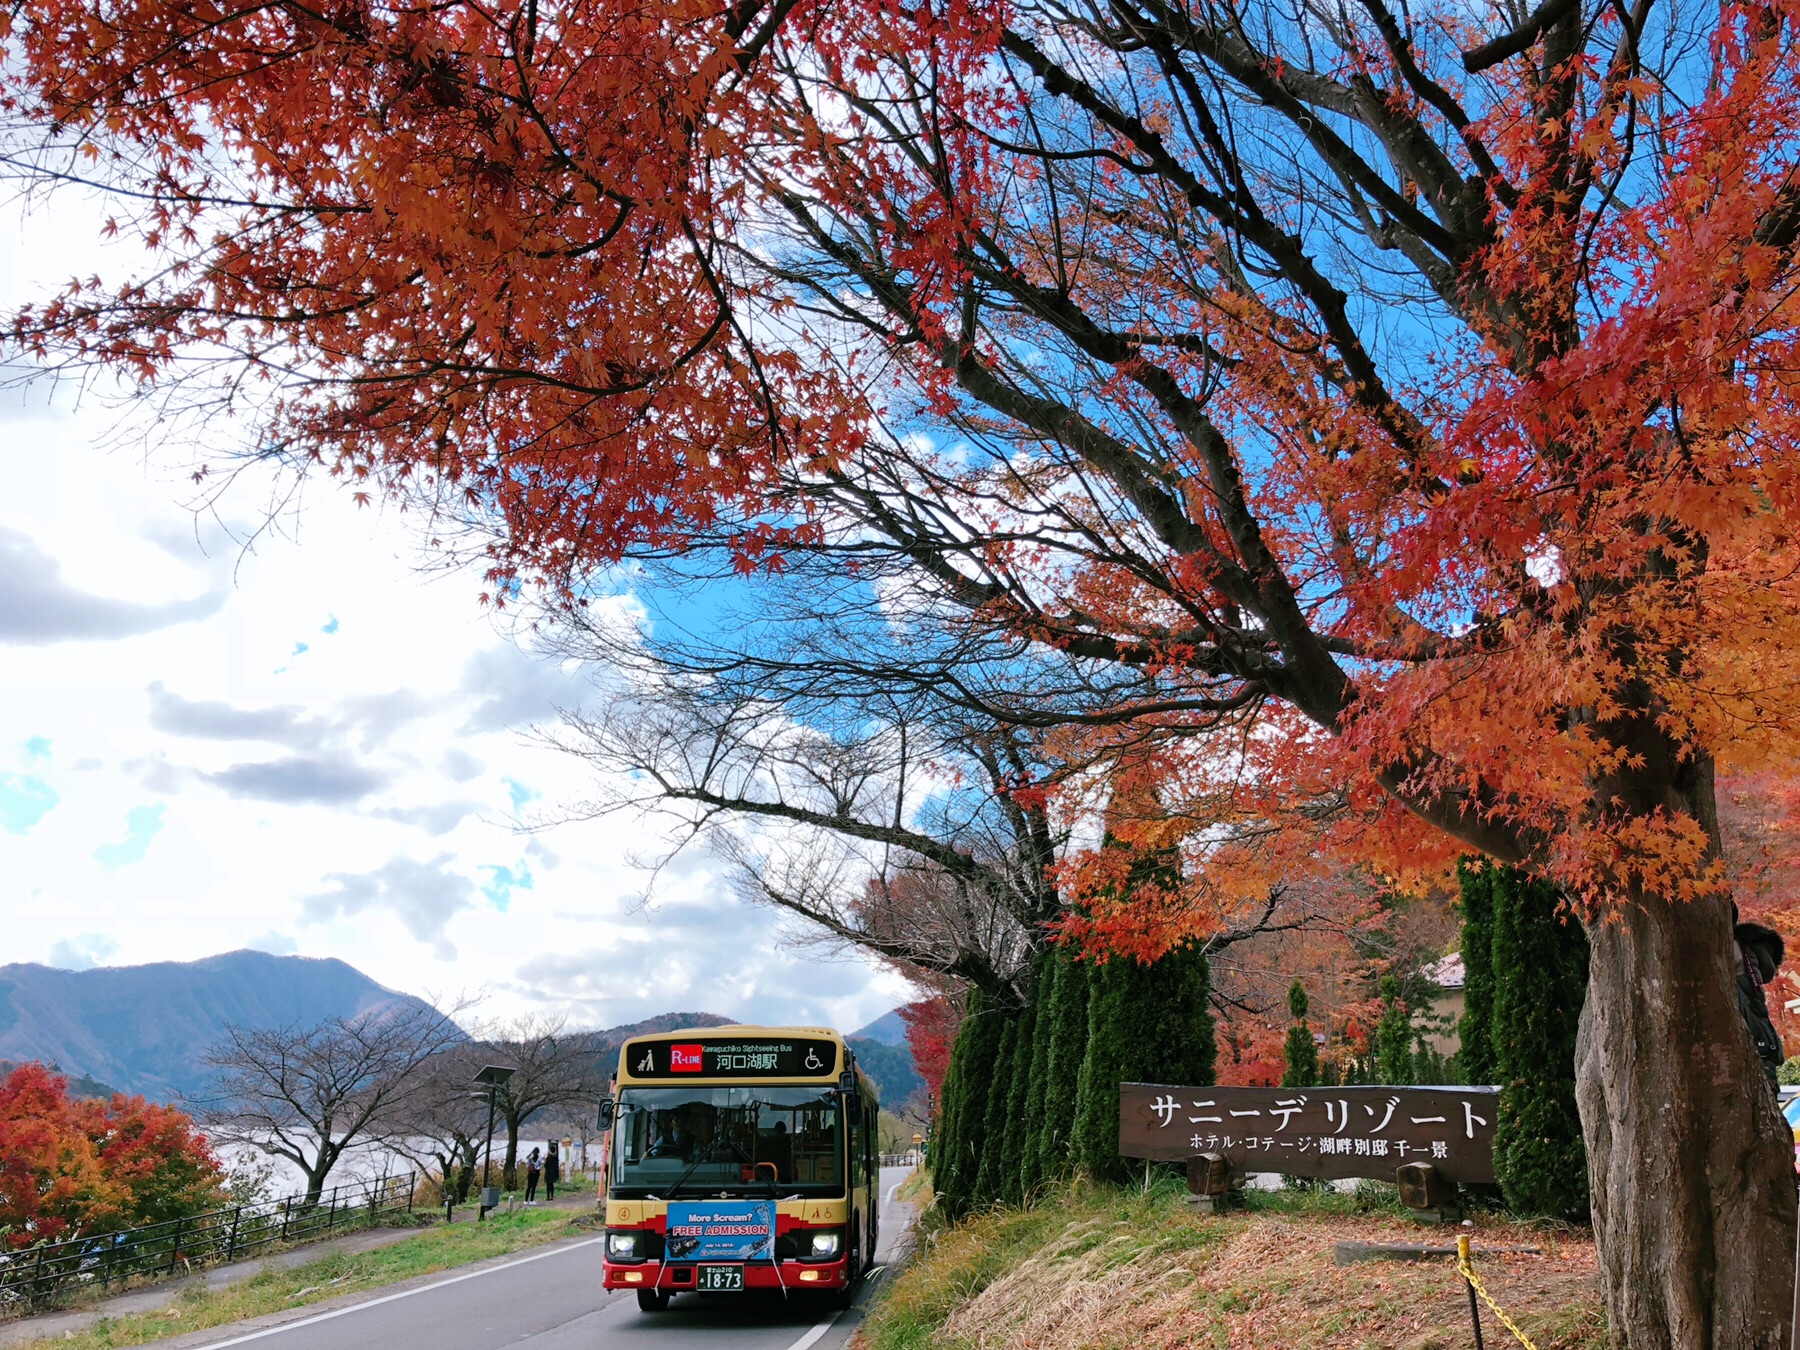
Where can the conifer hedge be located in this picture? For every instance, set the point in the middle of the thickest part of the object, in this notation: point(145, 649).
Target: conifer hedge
point(1540, 965)
point(1010, 1182)
point(1068, 1039)
point(990, 1182)
point(1475, 1031)
point(1393, 1036)
point(1031, 1144)
point(1301, 1053)
point(956, 1154)
point(1147, 1023)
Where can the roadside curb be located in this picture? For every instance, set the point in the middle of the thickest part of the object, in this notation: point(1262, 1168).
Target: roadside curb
point(49, 1327)
point(151, 1297)
point(230, 1333)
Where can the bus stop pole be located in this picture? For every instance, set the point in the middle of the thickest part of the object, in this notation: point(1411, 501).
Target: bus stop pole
point(488, 1161)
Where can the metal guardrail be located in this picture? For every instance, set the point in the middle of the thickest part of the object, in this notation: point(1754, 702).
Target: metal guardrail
point(912, 1159)
point(40, 1274)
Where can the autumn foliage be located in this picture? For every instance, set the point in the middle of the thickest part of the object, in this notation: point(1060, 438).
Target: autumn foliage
point(74, 1167)
point(931, 1027)
point(1371, 433)
point(550, 278)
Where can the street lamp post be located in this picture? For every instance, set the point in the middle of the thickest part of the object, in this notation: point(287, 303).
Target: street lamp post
point(492, 1078)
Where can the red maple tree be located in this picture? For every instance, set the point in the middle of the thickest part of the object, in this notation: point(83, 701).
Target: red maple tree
point(73, 1167)
point(931, 1027)
point(1391, 422)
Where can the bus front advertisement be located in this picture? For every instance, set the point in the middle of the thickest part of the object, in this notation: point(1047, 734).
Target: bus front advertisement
point(740, 1158)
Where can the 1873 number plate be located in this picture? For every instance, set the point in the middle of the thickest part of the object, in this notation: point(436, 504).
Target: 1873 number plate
point(720, 1279)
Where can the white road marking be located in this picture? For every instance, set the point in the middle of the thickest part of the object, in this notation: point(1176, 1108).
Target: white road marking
point(812, 1337)
point(422, 1289)
point(888, 1199)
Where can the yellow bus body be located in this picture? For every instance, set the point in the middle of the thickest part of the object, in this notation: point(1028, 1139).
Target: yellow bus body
point(762, 1057)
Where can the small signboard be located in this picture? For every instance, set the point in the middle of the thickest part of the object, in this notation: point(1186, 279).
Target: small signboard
point(677, 1059)
point(1315, 1132)
point(721, 1230)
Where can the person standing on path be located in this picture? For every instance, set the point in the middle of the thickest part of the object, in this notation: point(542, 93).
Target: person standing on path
point(532, 1168)
point(552, 1170)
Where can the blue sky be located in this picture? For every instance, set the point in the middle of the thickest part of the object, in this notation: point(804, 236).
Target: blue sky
point(312, 745)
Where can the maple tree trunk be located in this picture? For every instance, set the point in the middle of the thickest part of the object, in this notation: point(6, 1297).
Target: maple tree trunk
point(1691, 1165)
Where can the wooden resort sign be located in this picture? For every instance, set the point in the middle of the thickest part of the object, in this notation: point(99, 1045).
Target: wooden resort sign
point(1315, 1132)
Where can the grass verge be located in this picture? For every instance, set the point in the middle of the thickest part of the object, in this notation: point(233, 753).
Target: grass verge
point(198, 1307)
point(1092, 1266)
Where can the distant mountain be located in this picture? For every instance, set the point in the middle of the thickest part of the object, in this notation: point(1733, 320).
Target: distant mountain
point(604, 1045)
point(80, 1085)
point(889, 1029)
point(891, 1066)
point(663, 1022)
point(145, 1028)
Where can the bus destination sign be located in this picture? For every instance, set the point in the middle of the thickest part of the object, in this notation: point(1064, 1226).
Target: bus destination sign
point(733, 1059)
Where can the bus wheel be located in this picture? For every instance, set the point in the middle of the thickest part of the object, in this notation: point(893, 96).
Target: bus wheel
point(853, 1269)
point(652, 1300)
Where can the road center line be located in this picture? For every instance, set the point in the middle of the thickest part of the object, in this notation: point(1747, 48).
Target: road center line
point(812, 1337)
point(426, 1289)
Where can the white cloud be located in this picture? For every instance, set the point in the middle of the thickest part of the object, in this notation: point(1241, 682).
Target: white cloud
point(176, 779)
point(82, 952)
point(38, 606)
point(424, 896)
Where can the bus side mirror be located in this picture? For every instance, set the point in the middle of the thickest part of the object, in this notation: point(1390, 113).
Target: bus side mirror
point(853, 1109)
point(606, 1113)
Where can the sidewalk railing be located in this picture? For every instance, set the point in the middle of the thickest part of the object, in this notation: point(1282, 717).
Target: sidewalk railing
point(911, 1159)
point(50, 1270)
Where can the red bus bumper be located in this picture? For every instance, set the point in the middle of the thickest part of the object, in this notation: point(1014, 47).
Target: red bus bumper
point(678, 1276)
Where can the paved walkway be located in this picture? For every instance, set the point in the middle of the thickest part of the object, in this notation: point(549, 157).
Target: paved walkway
point(53, 1324)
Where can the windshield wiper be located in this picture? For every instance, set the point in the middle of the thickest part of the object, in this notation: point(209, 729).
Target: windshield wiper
point(707, 1156)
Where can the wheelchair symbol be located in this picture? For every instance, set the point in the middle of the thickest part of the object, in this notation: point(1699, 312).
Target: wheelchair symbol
point(812, 1059)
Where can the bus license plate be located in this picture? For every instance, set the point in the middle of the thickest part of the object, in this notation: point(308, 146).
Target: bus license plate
point(720, 1279)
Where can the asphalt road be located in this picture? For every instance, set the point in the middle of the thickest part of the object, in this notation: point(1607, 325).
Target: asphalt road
point(551, 1299)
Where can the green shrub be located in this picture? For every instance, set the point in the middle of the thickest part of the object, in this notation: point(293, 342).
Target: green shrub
point(1065, 1052)
point(1147, 1023)
point(1540, 956)
point(1031, 1141)
point(989, 1177)
point(1393, 1036)
point(1475, 1032)
point(1301, 1054)
point(1008, 1183)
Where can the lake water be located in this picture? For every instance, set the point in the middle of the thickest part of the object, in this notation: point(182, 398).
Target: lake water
point(367, 1160)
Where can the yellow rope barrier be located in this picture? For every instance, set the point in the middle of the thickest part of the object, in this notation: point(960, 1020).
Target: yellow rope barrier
point(1466, 1268)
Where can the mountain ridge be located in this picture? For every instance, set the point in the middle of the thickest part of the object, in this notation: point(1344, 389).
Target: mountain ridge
point(145, 1028)
point(889, 1029)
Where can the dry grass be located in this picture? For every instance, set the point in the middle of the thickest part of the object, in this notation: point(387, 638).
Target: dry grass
point(1091, 1267)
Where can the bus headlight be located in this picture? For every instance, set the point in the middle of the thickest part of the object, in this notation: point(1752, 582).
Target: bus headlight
point(826, 1244)
point(622, 1244)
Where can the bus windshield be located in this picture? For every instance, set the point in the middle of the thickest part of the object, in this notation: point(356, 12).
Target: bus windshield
point(750, 1141)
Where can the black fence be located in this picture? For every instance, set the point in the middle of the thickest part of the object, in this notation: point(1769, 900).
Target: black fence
point(52, 1271)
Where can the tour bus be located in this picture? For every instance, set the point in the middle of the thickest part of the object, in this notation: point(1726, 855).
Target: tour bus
point(741, 1158)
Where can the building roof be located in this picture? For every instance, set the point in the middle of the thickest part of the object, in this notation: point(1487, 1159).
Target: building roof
point(1446, 972)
